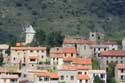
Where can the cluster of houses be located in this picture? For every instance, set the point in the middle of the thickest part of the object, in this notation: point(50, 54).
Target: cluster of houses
point(70, 63)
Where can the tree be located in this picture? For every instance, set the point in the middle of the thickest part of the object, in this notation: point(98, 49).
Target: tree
point(54, 39)
point(111, 73)
point(95, 64)
point(40, 37)
point(98, 80)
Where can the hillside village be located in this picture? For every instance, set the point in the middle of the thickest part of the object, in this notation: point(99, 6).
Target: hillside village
point(78, 60)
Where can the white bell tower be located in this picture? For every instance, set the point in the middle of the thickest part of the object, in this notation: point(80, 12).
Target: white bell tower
point(123, 44)
point(30, 33)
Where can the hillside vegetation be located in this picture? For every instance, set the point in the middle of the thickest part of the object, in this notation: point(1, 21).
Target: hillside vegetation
point(72, 17)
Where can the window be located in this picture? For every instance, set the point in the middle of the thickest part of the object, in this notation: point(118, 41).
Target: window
point(121, 61)
point(13, 80)
point(46, 79)
point(62, 77)
point(32, 65)
point(122, 70)
point(32, 59)
point(80, 81)
point(4, 80)
point(65, 55)
point(107, 61)
point(92, 35)
point(42, 50)
point(79, 72)
point(31, 50)
point(14, 58)
point(71, 54)
point(102, 75)
point(72, 78)
point(84, 47)
point(104, 49)
point(99, 49)
point(85, 73)
point(86, 81)
point(42, 57)
point(40, 79)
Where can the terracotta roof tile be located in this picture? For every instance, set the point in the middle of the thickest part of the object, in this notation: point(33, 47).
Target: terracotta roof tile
point(113, 53)
point(120, 66)
point(82, 61)
point(83, 77)
point(69, 50)
point(43, 74)
point(73, 67)
point(28, 48)
point(54, 75)
point(78, 41)
point(48, 74)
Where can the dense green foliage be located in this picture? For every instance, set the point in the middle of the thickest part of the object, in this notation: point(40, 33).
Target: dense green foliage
point(111, 73)
point(98, 80)
point(95, 64)
point(72, 17)
point(51, 39)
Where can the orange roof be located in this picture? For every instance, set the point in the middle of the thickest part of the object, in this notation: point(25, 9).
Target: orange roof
point(33, 57)
point(113, 53)
point(83, 61)
point(28, 48)
point(43, 74)
point(51, 75)
point(69, 50)
point(54, 75)
point(18, 44)
point(82, 67)
point(120, 66)
point(73, 67)
point(56, 55)
point(78, 41)
point(83, 77)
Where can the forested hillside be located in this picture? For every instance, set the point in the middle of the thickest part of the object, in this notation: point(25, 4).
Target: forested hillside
point(72, 17)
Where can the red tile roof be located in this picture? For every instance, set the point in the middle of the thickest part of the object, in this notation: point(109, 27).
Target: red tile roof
point(120, 66)
point(113, 53)
point(48, 74)
point(59, 51)
point(42, 74)
point(69, 50)
point(83, 77)
point(56, 55)
point(54, 75)
point(28, 48)
point(78, 41)
point(82, 61)
point(73, 67)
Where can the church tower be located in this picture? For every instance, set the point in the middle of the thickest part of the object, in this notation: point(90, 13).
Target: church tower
point(123, 44)
point(30, 33)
